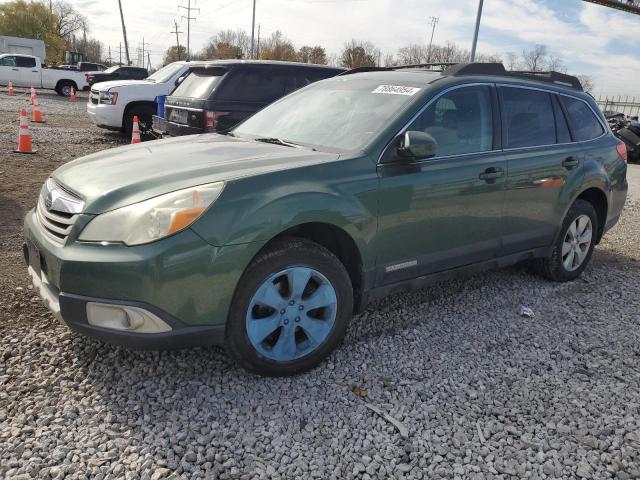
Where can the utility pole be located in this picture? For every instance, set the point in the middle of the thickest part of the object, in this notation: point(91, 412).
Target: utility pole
point(148, 61)
point(475, 34)
point(109, 61)
point(124, 34)
point(175, 30)
point(434, 21)
point(253, 28)
point(120, 61)
point(143, 45)
point(188, 8)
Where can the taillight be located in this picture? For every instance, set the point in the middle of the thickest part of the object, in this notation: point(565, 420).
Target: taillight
point(621, 148)
point(211, 119)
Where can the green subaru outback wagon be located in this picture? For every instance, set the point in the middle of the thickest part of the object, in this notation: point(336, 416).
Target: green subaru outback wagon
point(270, 238)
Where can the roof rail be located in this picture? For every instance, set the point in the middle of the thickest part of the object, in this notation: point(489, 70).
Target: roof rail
point(498, 69)
point(365, 69)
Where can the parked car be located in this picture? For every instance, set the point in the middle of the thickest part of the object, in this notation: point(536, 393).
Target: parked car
point(27, 71)
point(216, 95)
point(628, 131)
point(116, 73)
point(113, 104)
point(91, 67)
point(269, 238)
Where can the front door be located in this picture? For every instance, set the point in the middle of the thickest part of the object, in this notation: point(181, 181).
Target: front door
point(444, 212)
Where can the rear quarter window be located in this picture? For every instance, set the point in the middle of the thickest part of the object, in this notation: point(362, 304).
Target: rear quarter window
point(255, 84)
point(583, 121)
point(199, 83)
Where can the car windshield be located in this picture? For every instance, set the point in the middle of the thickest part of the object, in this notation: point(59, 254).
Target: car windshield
point(165, 73)
point(341, 113)
point(112, 69)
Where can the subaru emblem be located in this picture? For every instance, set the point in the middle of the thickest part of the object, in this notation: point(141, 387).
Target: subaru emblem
point(48, 201)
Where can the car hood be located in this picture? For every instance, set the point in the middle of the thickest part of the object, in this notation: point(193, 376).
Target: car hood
point(118, 177)
point(122, 83)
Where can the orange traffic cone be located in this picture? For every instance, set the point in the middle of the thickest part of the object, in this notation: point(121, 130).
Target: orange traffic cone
point(32, 100)
point(37, 114)
point(72, 97)
point(10, 90)
point(24, 137)
point(135, 131)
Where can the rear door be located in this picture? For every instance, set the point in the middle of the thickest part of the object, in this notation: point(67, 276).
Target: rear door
point(246, 90)
point(544, 166)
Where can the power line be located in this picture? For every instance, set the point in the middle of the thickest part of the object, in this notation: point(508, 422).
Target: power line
point(188, 17)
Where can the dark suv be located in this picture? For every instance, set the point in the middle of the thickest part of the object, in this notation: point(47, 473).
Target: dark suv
point(219, 94)
point(117, 73)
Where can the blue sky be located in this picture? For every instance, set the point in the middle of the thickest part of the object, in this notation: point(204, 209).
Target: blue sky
point(591, 39)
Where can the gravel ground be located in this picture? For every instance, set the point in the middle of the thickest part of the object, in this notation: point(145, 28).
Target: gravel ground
point(483, 392)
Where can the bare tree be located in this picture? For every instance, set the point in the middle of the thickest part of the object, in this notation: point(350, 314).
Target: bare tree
point(535, 60)
point(227, 44)
point(511, 61)
point(359, 54)
point(317, 55)
point(587, 82)
point(555, 63)
point(70, 21)
point(389, 60)
point(412, 54)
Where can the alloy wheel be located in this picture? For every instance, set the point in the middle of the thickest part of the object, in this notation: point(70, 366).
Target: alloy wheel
point(577, 242)
point(291, 314)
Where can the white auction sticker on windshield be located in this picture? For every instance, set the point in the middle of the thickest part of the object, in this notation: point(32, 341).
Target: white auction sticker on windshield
point(396, 90)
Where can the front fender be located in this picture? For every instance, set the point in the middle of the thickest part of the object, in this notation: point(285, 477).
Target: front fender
point(258, 208)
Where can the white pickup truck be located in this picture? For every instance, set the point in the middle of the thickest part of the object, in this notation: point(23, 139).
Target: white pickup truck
point(27, 71)
point(113, 104)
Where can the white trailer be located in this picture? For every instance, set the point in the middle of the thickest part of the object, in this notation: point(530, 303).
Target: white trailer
point(25, 46)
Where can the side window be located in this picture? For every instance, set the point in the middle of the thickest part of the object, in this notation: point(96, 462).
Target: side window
point(460, 121)
point(584, 124)
point(8, 62)
point(26, 62)
point(252, 84)
point(529, 119)
point(562, 129)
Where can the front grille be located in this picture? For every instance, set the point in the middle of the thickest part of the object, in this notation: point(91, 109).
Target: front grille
point(56, 225)
point(57, 211)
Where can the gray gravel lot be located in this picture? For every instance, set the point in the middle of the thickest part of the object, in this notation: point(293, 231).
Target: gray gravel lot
point(483, 392)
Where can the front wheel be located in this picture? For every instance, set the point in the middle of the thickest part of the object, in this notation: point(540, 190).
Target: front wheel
point(291, 308)
point(574, 246)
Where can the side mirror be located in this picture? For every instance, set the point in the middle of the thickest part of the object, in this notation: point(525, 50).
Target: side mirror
point(417, 145)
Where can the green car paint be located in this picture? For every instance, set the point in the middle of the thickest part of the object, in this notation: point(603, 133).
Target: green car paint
point(405, 219)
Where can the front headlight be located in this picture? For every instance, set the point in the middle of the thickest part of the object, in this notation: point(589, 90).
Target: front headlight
point(108, 98)
point(152, 219)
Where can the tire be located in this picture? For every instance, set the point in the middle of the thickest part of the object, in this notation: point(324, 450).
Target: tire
point(64, 88)
point(555, 266)
point(287, 348)
point(144, 114)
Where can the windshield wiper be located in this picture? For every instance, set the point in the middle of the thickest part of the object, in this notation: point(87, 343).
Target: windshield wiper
point(277, 141)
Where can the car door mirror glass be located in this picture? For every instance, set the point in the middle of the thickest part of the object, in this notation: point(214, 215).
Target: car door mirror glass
point(416, 145)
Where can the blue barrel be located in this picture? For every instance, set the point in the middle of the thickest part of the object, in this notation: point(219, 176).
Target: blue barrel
point(160, 102)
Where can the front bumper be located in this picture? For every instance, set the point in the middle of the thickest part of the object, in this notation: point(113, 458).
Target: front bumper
point(182, 280)
point(105, 116)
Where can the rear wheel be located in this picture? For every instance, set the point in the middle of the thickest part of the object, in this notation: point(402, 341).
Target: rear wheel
point(574, 246)
point(65, 88)
point(290, 310)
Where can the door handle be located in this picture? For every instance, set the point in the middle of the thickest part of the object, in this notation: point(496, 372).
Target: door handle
point(570, 162)
point(491, 173)
point(15, 69)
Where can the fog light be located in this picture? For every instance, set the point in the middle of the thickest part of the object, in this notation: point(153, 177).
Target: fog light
point(124, 317)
